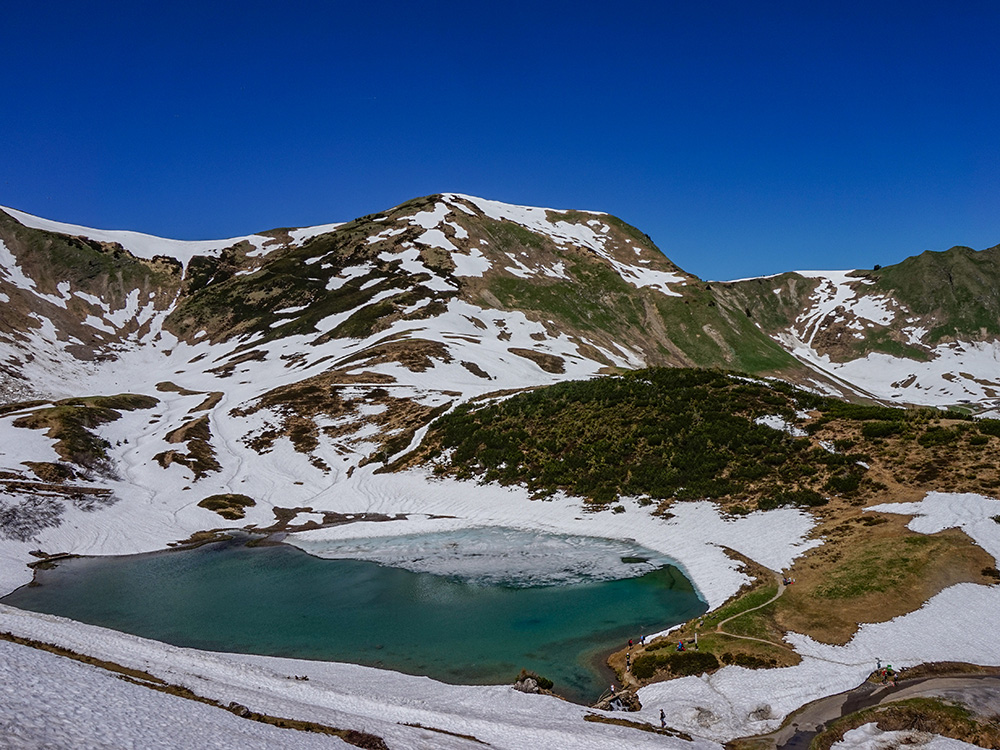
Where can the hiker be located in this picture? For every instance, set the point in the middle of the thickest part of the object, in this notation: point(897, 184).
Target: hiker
point(663, 720)
point(612, 688)
point(630, 643)
point(680, 645)
point(642, 640)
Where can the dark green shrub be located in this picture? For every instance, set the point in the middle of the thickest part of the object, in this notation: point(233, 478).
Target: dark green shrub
point(679, 663)
point(645, 666)
point(989, 426)
point(543, 682)
point(937, 436)
point(845, 410)
point(881, 429)
point(845, 483)
point(684, 663)
point(813, 427)
point(749, 661)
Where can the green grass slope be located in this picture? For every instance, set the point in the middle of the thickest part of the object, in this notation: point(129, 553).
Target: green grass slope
point(595, 302)
point(957, 291)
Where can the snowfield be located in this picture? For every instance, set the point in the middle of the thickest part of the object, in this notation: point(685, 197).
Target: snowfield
point(870, 737)
point(733, 702)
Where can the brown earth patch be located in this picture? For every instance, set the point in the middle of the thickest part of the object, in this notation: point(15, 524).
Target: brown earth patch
point(199, 538)
point(230, 506)
point(477, 370)
point(946, 669)
point(548, 362)
point(167, 387)
point(195, 429)
point(438, 259)
point(210, 402)
point(226, 370)
point(285, 516)
point(200, 457)
point(51, 472)
point(21, 406)
point(416, 355)
point(81, 495)
point(640, 725)
point(461, 337)
point(872, 573)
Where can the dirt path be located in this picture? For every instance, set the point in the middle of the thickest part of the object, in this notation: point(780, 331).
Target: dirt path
point(779, 579)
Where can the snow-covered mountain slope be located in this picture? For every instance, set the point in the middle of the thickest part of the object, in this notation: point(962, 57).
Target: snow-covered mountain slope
point(392, 316)
point(279, 364)
point(148, 247)
point(924, 331)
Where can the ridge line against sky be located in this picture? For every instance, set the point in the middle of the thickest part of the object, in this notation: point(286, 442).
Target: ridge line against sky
point(744, 140)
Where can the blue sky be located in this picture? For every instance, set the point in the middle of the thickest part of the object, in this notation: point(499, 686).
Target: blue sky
point(745, 138)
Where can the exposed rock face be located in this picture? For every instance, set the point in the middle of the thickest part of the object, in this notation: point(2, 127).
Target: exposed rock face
point(527, 685)
point(622, 700)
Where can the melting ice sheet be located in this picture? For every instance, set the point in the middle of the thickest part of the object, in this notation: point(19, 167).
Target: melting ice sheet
point(498, 556)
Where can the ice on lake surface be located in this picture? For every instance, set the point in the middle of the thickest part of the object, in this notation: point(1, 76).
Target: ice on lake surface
point(498, 556)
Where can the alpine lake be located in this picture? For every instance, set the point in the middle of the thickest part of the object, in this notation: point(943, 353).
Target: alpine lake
point(277, 600)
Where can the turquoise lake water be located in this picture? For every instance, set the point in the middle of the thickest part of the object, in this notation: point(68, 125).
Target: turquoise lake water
point(279, 601)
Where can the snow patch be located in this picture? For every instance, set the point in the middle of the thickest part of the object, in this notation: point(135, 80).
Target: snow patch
point(777, 422)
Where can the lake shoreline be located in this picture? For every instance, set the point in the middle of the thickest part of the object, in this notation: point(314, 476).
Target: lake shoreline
point(552, 639)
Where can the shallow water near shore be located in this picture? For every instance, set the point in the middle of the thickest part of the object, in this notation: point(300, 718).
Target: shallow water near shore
point(280, 601)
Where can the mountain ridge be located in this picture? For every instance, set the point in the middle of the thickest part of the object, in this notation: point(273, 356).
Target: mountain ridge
point(290, 360)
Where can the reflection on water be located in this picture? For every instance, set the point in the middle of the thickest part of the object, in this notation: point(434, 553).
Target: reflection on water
point(280, 601)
